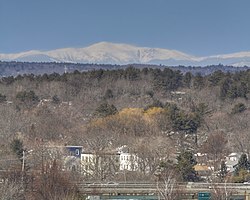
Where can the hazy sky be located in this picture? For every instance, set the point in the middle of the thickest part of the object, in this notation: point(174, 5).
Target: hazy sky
point(198, 27)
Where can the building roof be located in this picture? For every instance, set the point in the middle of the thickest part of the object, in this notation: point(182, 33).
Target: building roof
point(201, 168)
point(234, 155)
point(231, 162)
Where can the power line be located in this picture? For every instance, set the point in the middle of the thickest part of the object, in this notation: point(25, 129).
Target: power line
point(9, 159)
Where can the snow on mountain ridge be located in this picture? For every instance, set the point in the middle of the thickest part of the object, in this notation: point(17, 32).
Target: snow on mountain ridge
point(19, 55)
point(233, 55)
point(116, 54)
point(113, 53)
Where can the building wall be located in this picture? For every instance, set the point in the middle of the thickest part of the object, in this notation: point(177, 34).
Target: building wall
point(88, 163)
point(128, 162)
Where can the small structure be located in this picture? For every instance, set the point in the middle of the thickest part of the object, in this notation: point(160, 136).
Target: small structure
point(72, 161)
point(177, 95)
point(231, 161)
point(203, 171)
point(75, 151)
point(204, 196)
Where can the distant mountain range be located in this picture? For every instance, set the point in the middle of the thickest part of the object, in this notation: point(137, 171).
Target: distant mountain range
point(122, 54)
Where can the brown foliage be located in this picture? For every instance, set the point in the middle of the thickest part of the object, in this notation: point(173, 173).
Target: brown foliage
point(54, 184)
point(11, 191)
point(215, 147)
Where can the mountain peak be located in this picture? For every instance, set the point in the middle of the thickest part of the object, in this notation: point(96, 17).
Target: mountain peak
point(119, 53)
point(104, 45)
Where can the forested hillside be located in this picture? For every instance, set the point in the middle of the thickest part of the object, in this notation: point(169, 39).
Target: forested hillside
point(156, 112)
point(38, 68)
point(68, 104)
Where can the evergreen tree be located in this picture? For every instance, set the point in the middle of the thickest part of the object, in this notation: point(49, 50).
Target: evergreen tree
point(185, 166)
point(56, 99)
point(108, 94)
point(242, 90)
point(238, 108)
point(17, 147)
point(156, 103)
point(188, 123)
point(2, 98)
point(243, 164)
point(224, 88)
point(28, 98)
point(223, 170)
point(215, 78)
point(105, 110)
point(187, 79)
point(199, 81)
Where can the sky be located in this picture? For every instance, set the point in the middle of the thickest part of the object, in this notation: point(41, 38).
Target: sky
point(196, 27)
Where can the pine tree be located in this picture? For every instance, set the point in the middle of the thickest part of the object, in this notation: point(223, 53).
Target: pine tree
point(223, 170)
point(243, 164)
point(17, 148)
point(185, 166)
point(105, 110)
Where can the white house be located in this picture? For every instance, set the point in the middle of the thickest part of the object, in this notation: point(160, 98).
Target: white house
point(232, 160)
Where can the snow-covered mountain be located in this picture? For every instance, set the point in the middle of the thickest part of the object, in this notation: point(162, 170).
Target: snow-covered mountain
point(110, 53)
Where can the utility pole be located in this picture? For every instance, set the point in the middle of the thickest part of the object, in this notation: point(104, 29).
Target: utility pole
point(23, 163)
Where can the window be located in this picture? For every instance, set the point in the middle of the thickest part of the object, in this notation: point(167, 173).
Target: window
point(77, 152)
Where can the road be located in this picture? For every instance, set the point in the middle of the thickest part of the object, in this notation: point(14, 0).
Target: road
point(151, 188)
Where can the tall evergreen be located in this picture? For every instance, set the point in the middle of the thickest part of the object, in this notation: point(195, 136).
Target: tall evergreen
point(243, 164)
point(185, 166)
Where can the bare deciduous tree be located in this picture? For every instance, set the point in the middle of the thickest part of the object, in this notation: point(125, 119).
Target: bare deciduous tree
point(167, 186)
point(215, 147)
point(54, 184)
point(11, 191)
point(220, 192)
point(151, 151)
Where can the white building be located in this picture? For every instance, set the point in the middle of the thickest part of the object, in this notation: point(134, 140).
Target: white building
point(232, 160)
point(118, 161)
point(87, 163)
point(99, 163)
point(128, 162)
